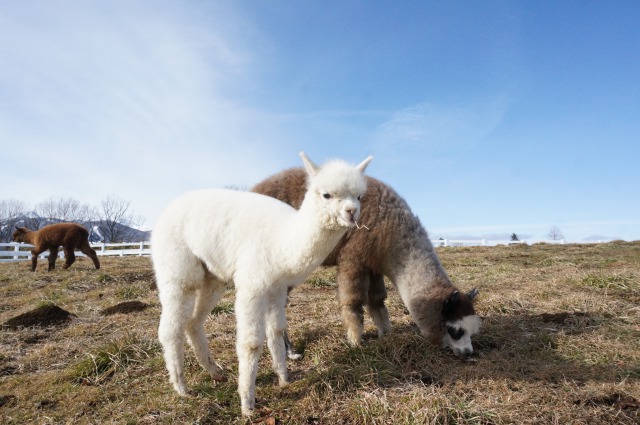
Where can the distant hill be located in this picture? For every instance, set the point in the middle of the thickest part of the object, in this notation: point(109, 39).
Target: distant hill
point(99, 231)
point(595, 238)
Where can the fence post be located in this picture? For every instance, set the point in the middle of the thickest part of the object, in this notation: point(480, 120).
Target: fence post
point(104, 247)
point(141, 249)
point(16, 249)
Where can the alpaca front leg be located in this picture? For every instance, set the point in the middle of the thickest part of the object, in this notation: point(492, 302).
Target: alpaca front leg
point(276, 333)
point(250, 336)
point(375, 304)
point(353, 319)
point(353, 285)
point(34, 260)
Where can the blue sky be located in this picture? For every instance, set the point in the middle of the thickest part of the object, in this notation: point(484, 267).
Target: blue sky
point(487, 117)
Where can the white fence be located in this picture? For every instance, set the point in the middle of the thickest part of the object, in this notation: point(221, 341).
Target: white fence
point(12, 251)
point(22, 251)
point(487, 242)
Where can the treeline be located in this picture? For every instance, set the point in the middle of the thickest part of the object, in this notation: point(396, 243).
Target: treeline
point(112, 221)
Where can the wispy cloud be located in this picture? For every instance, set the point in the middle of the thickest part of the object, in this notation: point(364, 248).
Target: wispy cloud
point(428, 128)
point(130, 94)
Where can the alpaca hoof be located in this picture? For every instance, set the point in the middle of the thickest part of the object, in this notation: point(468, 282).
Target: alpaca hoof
point(219, 377)
point(294, 356)
point(182, 390)
point(354, 340)
point(247, 410)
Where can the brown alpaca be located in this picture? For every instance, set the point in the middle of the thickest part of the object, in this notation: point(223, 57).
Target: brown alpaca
point(70, 236)
point(397, 246)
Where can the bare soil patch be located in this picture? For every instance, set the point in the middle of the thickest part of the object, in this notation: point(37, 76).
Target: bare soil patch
point(44, 316)
point(125, 308)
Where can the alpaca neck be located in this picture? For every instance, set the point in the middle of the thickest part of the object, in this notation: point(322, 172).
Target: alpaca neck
point(29, 237)
point(417, 273)
point(307, 240)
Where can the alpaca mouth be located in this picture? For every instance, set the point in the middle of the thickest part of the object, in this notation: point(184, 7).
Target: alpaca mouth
point(349, 219)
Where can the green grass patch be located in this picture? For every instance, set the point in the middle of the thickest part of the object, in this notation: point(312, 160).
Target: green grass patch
point(224, 307)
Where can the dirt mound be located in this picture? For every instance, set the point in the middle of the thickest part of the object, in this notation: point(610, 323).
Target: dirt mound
point(47, 315)
point(125, 307)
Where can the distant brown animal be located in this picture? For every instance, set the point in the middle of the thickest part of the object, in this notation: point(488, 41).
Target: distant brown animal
point(395, 245)
point(70, 236)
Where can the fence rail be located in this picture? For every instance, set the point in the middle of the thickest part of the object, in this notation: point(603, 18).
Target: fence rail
point(22, 251)
point(490, 242)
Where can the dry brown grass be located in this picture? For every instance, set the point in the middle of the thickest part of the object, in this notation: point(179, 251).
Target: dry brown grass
point(560, 344)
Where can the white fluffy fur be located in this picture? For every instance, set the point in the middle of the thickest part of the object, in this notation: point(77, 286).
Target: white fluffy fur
point(208, 239)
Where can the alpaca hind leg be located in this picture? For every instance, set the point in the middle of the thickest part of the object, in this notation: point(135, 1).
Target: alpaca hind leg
point(375, 304)
point(86, 249)
point(53, 256)
point(177, 307)
point(276, 322)
point(352, 292)
point(291, 352)
point(69, 257)
point(250, 316)
point(206, 298)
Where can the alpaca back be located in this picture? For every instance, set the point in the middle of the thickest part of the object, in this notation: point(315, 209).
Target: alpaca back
point(222, 228)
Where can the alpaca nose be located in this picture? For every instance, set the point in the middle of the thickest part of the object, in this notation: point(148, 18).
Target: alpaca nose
point(465, 352)
point(351, 211)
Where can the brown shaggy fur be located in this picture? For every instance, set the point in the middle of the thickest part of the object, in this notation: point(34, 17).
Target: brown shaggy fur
point(396, 246)
point(70, 236)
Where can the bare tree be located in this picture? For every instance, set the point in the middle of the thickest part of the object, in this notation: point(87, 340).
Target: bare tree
point(555, 234)
point(116, 222)
point(63, 209)
point(11, 212)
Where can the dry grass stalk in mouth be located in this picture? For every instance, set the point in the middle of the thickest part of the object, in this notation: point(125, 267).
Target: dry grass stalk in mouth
point(560, 344)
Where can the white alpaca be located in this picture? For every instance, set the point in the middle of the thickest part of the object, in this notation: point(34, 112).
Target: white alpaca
point(208, 239)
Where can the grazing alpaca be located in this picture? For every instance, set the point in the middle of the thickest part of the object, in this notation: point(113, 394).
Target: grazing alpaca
point(396, 246)
point(70, 236)
point(209, 239)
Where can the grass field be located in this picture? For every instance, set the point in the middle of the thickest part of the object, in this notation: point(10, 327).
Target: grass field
point(560, 344)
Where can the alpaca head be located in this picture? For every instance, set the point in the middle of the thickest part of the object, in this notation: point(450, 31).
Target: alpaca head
point(335, 190)
point(460, 322)
point(18, 234)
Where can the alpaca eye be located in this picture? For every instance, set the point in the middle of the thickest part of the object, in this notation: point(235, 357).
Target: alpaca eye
point(327, 196)
point(359, 197)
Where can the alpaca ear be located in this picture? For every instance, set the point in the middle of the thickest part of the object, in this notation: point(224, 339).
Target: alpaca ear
point(363, 165)
point(472, 293)
point(450, 303)
point(312, 169)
